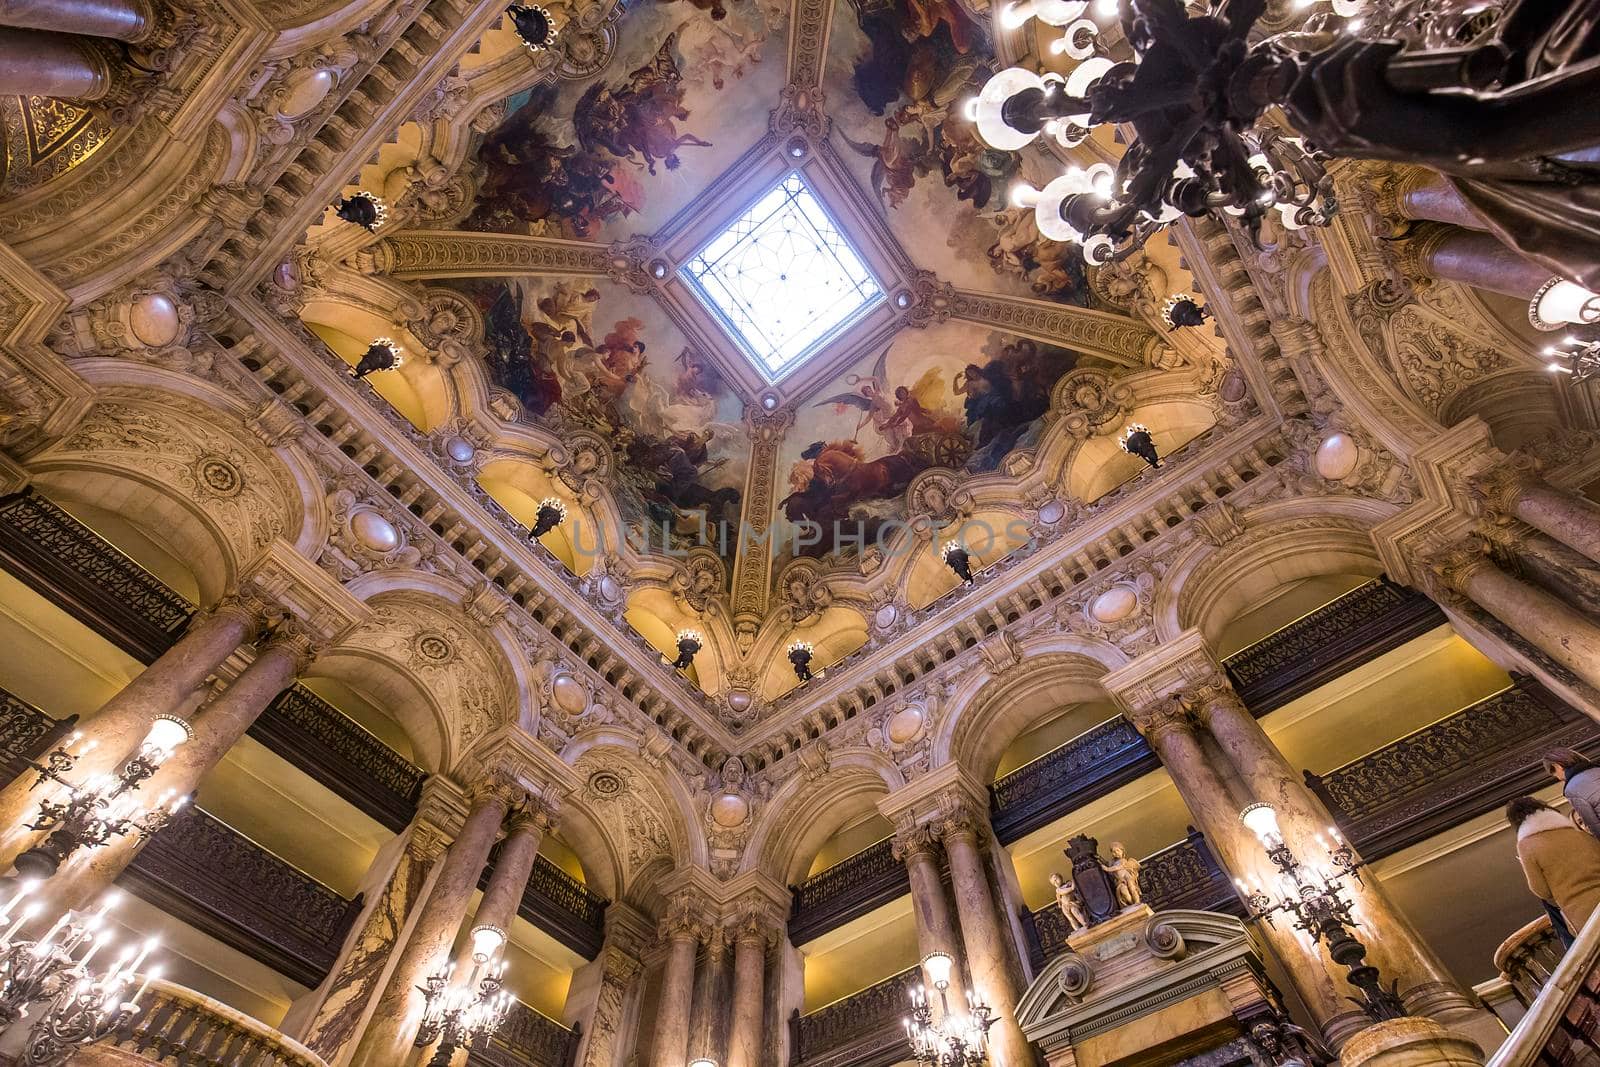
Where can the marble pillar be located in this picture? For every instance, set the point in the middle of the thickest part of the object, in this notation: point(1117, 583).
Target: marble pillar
point(124, 20)
point(936, 930)
point(603, 999)
point(982, 934)
point(1565, 635)
point(747, 1030)
point(1478, 259)
point(525, 830)
point(52, 64)
point(1393, 944)
point(1513, 491)
point(708, 1016)
point(1430, 196)
point(682, 934)
point(1167, 725)
point(388, 1039)
point(163, 688)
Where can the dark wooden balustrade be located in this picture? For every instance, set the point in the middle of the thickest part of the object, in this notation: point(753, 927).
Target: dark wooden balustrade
point(80, 571)
point(63, 560)
point(862, 1030)
point(1335, 639)
point(527, 1039)
point(1089, 766)
point(26, 733)
point(560, 905)
point(212, 877)
point(1182, 875)
point(1456, 769)
point(847, 890)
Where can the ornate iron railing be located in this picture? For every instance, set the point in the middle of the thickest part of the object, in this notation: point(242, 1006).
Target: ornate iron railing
point(205, 873)
point(560, 905)
point(1336, 638)
point(1182, 875)
point(849, 889)
point(331, 747)
point(1089, 766)
point(862, 1030)
point(527, 1039)
point(1455, 769)
point(26, 733)
point(83, 573)
point(180, 1026)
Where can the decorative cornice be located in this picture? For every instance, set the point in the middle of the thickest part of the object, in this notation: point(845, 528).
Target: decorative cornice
point(282, 576)
point(1099, 333)
point(1177, 668)
point(416, 254)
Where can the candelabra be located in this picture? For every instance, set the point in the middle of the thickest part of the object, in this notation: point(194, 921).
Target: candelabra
point(551, 513)
point(958, 559)
point(459, 1014)
point(381, 354)
point(103, 807)
point(1181, 310)
point(84, 1003)
point(689, 642)
point(957, 1039)
point(800, 653)
point(1574, 356)
point(363, 209)
point(533, 25)
point(1136, 441)
point(1316, 898)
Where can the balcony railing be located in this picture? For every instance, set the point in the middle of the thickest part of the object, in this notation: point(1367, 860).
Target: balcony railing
point(26, 733)
point(205, 873)
point(862, 1030)
point(527, 1039)
point(331, 747)
point(1089, 766)
point(847, 890)
point(1182, 875)
point(1528, 958)
point(180, 1026)
point(560, 905)
point(1457, 768)
point(1336, 638)
point(1560, 1026)
point(85, 575)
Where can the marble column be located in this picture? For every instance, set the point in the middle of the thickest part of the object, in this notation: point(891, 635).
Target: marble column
point(388, 1039)
point(1430, 196)
point(981, 933)
point(936, 930)
point(603, 999)
point(1393, 944)
point(51, 64)
point(1514, 491)
point(1478, 259)
point(217, 728)
point(708, 1015)
point(124, 20)
point(1565, 635)
point(682, 934)
point(1171, 732)
point(747, 1030)
point(525, 830)
point(121, 723)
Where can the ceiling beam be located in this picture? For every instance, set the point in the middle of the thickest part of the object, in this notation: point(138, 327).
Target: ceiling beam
point(428, 254)
point(1112, 337)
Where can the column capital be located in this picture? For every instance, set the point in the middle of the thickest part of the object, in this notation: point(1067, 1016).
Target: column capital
point(282, 577)
point(929, 797)
point(1158, 718)
point(294, 638)
point(512, 753)
point(533, 813)
point(497, 787)
point(245, 607)
point(960, 817)
point(683, 919)
point(1207, 700)
point(441, 812)
point(1176, 667)
point(914, 839)
point(1498, 489)
point(1455, 564)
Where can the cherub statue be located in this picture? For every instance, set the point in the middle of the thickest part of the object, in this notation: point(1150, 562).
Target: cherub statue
point(1124, 872)
point(1067, 900)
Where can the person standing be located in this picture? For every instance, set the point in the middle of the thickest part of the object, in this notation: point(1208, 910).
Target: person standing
point(1580, 784)
point(1561, 862)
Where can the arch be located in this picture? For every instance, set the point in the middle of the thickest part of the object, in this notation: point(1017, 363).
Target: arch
point(805, 812)
point(1282, 542)
point(1520, 408)
point(645, 811)
point(991, 711)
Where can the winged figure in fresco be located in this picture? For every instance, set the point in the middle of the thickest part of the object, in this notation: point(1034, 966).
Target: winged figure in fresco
point(914, 137)
point(637, 121)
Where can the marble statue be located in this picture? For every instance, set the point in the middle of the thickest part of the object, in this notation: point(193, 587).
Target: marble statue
point(1124, 872)
point(1067, 900)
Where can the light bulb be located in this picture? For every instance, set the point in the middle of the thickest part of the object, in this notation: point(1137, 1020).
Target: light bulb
point(166, 734)
point(1262, 821)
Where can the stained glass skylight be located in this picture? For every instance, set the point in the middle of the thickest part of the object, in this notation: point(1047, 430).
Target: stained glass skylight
point(782, 278)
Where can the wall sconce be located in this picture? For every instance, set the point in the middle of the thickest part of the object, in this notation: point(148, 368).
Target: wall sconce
point(381, 354)
point(689, 642)
point(958, 559)
point(362, 208)
point(552, 513)
point(1136, 441)
point(1182, 310)
point(800, 653)
point(533, 26)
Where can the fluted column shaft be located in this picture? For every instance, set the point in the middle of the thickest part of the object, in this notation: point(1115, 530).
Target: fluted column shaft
point(123, 20)
point(981, 933)
point(677, 997)
point(1392, 942)
point(1565, 635)
point(51, 64)
point(1216, 812)
point(1478, 259)
point(746, 1033)
point(121, 723)
point(388, 1039)
point(936, 930)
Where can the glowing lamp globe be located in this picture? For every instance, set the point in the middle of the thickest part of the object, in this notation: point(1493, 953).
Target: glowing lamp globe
point(166, 734)
point(486, 941)
point(938, 965)
point(1263, 822)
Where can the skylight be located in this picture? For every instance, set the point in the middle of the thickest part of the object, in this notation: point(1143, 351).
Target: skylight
point(782, 279)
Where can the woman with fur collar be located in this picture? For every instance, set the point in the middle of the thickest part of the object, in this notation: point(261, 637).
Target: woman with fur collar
point(1561, 862)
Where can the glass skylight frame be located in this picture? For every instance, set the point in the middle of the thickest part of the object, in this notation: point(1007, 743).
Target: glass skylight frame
point(720, 272)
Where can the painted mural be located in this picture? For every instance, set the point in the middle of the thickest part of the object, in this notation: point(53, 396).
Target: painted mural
point(911, 65)
point(685, 95)
point(957, 396)
point(585, 354)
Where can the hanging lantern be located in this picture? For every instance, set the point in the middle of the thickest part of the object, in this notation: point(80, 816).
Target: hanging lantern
point(1136, 441)
point(552, 513)
point(363, 209)
point(381, 354)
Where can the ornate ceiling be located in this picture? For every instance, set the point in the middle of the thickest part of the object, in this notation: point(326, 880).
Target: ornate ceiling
point(550, 201)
